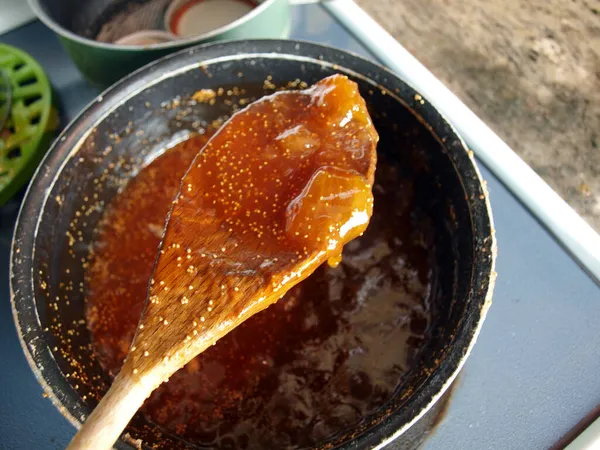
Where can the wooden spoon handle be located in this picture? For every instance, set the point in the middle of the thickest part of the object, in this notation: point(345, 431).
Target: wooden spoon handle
point(106, 423)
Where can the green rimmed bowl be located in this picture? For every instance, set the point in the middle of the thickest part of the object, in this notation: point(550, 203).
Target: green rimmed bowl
point(102, 64)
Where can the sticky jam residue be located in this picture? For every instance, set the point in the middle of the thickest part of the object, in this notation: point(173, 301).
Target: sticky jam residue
point(333, 350)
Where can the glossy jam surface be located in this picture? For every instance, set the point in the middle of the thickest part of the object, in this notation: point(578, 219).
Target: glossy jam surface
point(315, 363)
point(278, 190)
point(125, 251)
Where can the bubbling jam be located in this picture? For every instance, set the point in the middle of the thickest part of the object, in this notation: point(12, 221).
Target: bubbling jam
point(333, 350)
point(276, 192)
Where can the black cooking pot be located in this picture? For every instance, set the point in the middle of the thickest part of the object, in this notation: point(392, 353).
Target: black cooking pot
point(139, 117)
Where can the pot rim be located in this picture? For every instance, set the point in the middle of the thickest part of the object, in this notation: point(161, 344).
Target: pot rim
point(172, 45)
point(29, 329)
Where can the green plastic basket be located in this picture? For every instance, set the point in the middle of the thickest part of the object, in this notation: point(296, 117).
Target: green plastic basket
point(5, 98)
point(31, 121)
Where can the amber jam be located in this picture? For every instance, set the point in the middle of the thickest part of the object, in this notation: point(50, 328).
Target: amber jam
point(278, 190)
point(333, 350)
point(288, 179)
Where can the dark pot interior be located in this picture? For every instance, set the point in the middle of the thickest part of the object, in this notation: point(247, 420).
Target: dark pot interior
point(136, 119)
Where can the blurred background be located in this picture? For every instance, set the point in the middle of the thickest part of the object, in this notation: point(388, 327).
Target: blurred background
point(529, 68)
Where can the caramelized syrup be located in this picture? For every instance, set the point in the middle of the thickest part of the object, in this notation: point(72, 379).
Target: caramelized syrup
point(314, 364)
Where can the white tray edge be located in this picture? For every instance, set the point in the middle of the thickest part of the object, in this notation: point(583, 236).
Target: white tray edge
point(568, 227)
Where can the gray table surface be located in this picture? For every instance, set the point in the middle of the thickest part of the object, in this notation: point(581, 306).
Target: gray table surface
point(533, 375)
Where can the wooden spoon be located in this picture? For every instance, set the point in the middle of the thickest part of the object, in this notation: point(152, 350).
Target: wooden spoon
point(278, 190)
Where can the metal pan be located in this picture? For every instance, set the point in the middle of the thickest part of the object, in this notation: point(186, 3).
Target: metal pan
point(137, 118)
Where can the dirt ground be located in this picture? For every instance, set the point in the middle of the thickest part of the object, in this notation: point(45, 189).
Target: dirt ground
point(528, 68)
